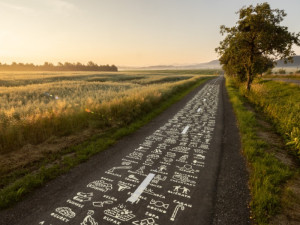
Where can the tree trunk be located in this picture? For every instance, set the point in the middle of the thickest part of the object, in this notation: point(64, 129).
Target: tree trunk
point(249, 81)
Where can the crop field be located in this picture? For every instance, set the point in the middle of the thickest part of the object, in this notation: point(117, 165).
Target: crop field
point(43, 114)
point(36, 106)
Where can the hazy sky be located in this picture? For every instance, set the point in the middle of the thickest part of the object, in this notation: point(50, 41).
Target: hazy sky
point(121, 32)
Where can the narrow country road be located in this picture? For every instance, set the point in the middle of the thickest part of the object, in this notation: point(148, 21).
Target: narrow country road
point(183, 168)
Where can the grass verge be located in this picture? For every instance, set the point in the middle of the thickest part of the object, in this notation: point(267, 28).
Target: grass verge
point(267, 174)
point(296, 76)
point(281, 103)
point(18, 189)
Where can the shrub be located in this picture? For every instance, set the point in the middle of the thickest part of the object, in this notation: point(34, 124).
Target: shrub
point(281, 71)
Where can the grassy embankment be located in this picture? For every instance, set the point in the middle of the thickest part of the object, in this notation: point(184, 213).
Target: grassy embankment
point(287, 76)
point(267, 173)
point(281, 103)
point(42, 109)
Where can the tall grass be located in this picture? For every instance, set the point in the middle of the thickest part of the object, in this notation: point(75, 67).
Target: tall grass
point(290, 76)
point(32, 113)
point(281, 103)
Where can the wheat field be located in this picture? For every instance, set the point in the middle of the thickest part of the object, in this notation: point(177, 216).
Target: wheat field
point(36, 106)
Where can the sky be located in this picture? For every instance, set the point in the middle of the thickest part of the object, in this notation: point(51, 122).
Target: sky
point(121, 32)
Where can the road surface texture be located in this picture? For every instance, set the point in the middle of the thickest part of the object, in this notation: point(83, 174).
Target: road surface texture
point(287, 80)
point(183, 168)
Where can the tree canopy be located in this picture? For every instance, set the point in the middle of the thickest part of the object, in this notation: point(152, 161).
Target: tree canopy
point(254, 44)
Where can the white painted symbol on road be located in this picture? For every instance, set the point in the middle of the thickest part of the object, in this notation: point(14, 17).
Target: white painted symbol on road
point(65, 211)
point(126, 163)
point(119, 168)
point(204, 146)
point(153, 156)
point(183, 178)
point(199, 156)
point(133, 177)
point(171, 154)
point(162, 146)
point(101, 204)
point(136, 155)
point(148, 221)
point(111, 171)
point(158, 178)
point(89, 220)
point(75, 203)
point(179, 206)
point(170, 141)
point(42, 223)
point(141, 148)
point(162, 168)
point(157, 151)
point(180, 191)
point(183, 158)
point(152, 215)
point(141, 188)
point(181, 149)
point(100, 185)
point(199, 151)
point(123, 186)
point(120, 213)
point(168, 160)
point(185, 129)
point(140, 170)
point(159, 204)
point(187, 168)
point(83, 197)
point(193, 144)
point(151, 192)
point(149, 162)
point(184, 189)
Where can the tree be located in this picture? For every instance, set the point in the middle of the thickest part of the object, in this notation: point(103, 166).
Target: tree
point(256, 42)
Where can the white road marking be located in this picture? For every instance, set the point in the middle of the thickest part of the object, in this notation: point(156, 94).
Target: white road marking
point(141, 188)
point(185, 129)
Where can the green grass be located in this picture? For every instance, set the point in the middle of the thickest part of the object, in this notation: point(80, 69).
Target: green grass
point(18, 189)
point(267, 174)
point(289, 76)
point(281, 103)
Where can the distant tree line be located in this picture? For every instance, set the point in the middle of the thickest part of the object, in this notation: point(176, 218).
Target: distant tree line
point(67, 66)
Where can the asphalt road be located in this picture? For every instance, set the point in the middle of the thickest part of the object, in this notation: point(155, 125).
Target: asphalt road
point(183, 168)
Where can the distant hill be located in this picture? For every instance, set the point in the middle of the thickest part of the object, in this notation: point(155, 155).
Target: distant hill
point(214, 64)
point(209, 65)
point(296, 63)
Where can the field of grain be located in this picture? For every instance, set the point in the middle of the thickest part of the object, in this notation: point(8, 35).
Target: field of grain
point(35, 106)
point(45, 116)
